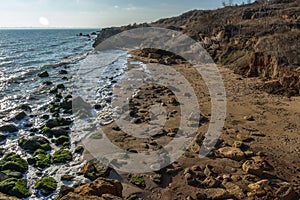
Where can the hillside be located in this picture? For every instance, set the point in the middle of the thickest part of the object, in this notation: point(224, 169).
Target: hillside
point(255, 40)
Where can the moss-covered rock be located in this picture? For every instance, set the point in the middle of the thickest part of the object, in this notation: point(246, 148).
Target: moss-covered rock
point(12, 174)
point(43, 161)
point(45, 130)
point(33, 143)
point(46, 185)
point(62, 156)
point(137, 180)
point(61, 140)
point(55, 132)
point(13, 161)
point(14, 187)
point(54, 107)
point(51, 123)
point(39, 151)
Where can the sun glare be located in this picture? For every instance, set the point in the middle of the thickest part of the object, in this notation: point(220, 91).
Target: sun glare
point(44, 21)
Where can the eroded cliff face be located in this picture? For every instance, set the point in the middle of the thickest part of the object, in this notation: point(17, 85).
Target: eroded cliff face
point(259, 39)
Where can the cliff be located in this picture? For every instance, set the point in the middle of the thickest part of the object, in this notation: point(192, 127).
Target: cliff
point(258, 39)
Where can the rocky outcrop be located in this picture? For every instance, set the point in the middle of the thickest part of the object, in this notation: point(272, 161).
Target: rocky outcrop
point(256, 40)
point(100, 189)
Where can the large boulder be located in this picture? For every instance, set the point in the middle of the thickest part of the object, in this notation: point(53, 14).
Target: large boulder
point(100, 188)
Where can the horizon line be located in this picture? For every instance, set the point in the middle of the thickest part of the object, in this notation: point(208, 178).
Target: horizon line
point(27, 27)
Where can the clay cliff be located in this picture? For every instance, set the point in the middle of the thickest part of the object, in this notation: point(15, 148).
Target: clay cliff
point(255, 40)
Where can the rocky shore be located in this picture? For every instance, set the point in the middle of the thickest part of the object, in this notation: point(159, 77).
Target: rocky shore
point(257, 155)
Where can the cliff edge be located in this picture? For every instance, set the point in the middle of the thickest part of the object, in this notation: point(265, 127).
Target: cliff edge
point(255, 40)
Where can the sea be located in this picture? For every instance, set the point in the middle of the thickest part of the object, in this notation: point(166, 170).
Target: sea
point(25, 53)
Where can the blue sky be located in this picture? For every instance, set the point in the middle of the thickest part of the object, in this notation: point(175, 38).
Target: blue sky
point(93, 13)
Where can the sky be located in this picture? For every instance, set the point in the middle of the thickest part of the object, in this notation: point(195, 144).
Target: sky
point(94, 13)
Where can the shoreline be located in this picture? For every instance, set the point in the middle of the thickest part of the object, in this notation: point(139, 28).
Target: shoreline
point(251, 138)
point(255, 157)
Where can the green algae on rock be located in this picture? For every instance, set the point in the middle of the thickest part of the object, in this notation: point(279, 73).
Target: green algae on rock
point(62, 156)
point(137, 180)
point(33, 143)
point(46, 185)
point(13, 161)
point(15, 187)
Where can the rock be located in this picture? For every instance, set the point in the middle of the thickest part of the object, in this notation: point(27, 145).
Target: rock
point(67, 177)
point(43, 74)
point(100, 188)
point(249, 118)
point(79, 149)
point(13, 161)
point(47, 83)
point(156, 178)
point(235, 190)
point(46, 185)
point(25, 107)
point(98, 106)
point(200, 196)
point(208, 170)
point(238, 144)
point(67, 104)
point(6, 197)
point(3, 176)
point(20, 115)
point(251, 167)
point(11, 128)
point(64, 190)
point(31, 144)
point(258, 188)
point(11, 174)
point(137, 180)
point(236, 178)
point(258, 185)
point(62, 156)
point(2, 138)
point(61, 140)
point(286, 192)
point(217, 193)
point(61, 86)
point(210, 182)
point(232, 153)
point(56, 132)
point(94, 169)
point(63, 71)
point(51, 123)
point(14, 187)
point(41, 160)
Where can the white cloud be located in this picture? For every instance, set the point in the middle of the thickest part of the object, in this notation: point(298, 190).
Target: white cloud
point(116, 7)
